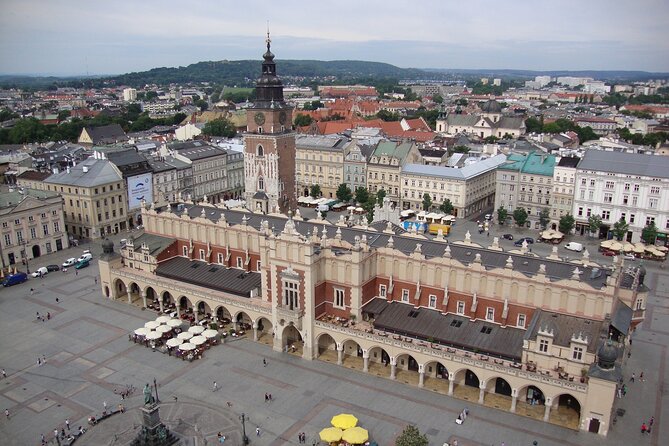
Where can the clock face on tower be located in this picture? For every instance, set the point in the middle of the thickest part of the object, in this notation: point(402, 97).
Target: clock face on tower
point(259, 118)
point(282, 118)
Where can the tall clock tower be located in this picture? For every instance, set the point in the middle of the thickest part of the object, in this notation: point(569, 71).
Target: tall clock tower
point(269, 145)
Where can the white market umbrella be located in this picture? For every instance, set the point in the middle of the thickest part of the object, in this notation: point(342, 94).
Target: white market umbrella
point(163, 319)
point(174, 323)
point(187, 347)
point(154, 335)
point(662, 248)
point(174, 342)
point(185, 335)
point(639, 248)
point(196, 329)
point(142, 331)
point(606, 244)
point(152, 325)
point(210, 334)
point(198, 340)
point(164, 329)
point(628, 247)
point(616, 246)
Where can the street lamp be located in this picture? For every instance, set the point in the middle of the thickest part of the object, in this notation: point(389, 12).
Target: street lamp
point(243, 417)
point(156, 387)
point(25, 257)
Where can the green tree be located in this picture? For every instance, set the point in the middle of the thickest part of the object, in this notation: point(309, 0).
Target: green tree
point(446, 207)
point(620, 228)
point(502, 215)
point(566, 224)
point(302, 120)
point(385, 115)
point(380, 195)
point(411, 436)
point(520, 216)
point(27, 130)
point(315, 191)
point(313, 105)
point(150, 95)
point(178, 118)
point(438, 99)
point(361, 195)
point(594, 223)
point(533, 125)
point(649, 233)
point(344, 193)
point(427, 201)
point(220, 127)
point(544, 218)
point(201, 104)
point(63, 115)
point(460, 149)
point(491, 139)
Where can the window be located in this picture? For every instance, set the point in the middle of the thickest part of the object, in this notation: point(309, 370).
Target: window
point(4, 224)
point(202, 254)
point(8, 239)
point(650, 221)
point(608, 198)
point(45, 228)
point(31, 218)
point(240, 262)
point(258, 265)
point(632, 218)
point(543, 346)
point(606, 215)
point(627, 186)
point(339, 298)
point(19, 237)
point(521, 321)
point(432, 301)
point(261, 184)
point(655, 190)
point(592, 183)
point(609, 185)
point(382, 290)
point(461, 307)
point(580, 212)
point(405, 295)
point(577, 354)
point(33, 233)
point(652, 203)
point(636, 188)
point(290, 294)
point(184, 251)
point(17, 222)
point(490, 314)
point(219, 258)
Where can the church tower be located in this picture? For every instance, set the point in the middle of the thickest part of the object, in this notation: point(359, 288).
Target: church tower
point(269, 145)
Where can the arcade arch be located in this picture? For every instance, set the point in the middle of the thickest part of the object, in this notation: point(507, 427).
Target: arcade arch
point(436, 376)
point(291, 340)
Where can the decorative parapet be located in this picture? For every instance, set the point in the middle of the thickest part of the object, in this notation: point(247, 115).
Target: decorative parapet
point(287, 315)
point(456, 355)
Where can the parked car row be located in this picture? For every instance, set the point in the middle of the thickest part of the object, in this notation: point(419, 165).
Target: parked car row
point(20, 277)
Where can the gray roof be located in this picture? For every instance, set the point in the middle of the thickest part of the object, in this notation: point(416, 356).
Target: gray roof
point(465, 120)
point(626, 163)
point(202, 152)
point(526, 264)
point(622, 317)
point(326, 142)
point(449, 329)
point(464, 173)
point(509, 122)
point(564, 327)
point(230, 280)
point(155, 243)
point(99, 172)
point(106, 133)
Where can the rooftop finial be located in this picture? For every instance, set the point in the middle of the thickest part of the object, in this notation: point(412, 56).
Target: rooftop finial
point(268, 40)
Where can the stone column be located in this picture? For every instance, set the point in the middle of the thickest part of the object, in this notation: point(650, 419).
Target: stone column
point(514, 400)
point(547, 411)
point(255, 332)
point(421, 376)
point(162, 306)
point(450, 384)
point(365, 361)
point(129, 297)
point(143, 294)
point(481, 392)
point(393, 366)
point(340, 354)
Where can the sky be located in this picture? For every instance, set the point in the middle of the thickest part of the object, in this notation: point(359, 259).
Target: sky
point(75, 37)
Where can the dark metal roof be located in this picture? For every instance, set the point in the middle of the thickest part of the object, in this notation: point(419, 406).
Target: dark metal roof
point(526, 264)
point(217, 277)
point(449, 329)
point(621, 317)
point(155, 243)
point(564, 327)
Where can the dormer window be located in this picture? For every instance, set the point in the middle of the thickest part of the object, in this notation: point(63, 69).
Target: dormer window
point(543, 345)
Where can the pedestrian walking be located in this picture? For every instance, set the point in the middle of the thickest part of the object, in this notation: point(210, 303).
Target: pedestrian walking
point(257, 431)
point(641, 376)
point(624, 389)
point(96, 280)
point(48, 316)
point(38, 316)
point(57, 300)
point(270, 397)
point(266, 397)
point(104, 404)
point(4, 374)
point(7, 413)
point(41, 436)
point(215, 386)
point(264, 362)
point(43, 359)
point(644, 428)
point(62, 432)
point(39, 361)
point(632, 377)
point(67, 423)
point(32, 291)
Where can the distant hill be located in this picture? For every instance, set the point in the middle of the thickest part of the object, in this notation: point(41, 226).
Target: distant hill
point(240, 72)
point(610, 75)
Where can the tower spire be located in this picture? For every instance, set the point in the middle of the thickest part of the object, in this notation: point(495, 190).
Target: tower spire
point(268, 40)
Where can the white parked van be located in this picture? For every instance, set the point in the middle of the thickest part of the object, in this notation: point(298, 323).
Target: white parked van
point(86, 256)
point(574, 246)
point(323, 208)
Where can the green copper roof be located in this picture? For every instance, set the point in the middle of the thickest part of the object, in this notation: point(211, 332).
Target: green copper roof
point(532, 163)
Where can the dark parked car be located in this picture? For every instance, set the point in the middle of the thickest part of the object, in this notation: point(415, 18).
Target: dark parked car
point(520, 241)
point(508, 236)
point(51, 268)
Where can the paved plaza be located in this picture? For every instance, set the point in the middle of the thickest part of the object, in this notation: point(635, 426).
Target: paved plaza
point(88, 357)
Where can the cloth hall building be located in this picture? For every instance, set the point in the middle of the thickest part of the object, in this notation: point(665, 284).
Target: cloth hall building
point(538, 337)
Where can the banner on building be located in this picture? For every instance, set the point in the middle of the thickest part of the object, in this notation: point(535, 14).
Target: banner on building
point(140, 187)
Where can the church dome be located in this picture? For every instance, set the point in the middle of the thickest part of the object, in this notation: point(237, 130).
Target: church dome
point(491, 106)
point(607, 355)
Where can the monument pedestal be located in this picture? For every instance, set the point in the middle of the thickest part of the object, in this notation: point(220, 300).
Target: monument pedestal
point(154, 432)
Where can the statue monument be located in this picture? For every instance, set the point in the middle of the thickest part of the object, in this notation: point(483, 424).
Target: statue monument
point(154, 432)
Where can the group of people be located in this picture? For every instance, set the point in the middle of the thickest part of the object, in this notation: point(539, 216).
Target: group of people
point(41, 317)
point(70, 435)
point(646, 428)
